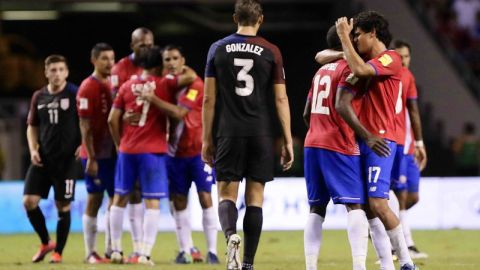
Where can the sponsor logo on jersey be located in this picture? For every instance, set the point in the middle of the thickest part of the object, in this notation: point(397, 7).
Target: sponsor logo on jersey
point(352, 79)
point(385, 60)
point(192, 94)
point(64, 103)
point(83, 104)
point(244, 47)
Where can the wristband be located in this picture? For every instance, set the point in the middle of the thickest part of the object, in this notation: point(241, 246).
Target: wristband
point(419, 143)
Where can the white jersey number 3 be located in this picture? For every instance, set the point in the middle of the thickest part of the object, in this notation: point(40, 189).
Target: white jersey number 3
point(243, 75)
point(319, 96)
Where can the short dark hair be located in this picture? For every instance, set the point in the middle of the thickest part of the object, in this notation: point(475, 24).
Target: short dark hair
point(368, 21)
point(55, 58)
point(333, 41)
point(100, 47)
point(247, 12)
point(152, 58)
point(397, 44)
point(171, 47)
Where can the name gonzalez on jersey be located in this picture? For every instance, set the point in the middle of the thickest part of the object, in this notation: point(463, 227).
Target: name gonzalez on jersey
point(244, 47)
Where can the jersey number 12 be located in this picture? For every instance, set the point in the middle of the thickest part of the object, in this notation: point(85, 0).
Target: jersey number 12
point(320, 95)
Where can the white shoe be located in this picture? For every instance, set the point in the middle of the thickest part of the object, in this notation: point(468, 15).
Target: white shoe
point(233, 252)
point(416, 254)
point(116, 257)
point(145, 260)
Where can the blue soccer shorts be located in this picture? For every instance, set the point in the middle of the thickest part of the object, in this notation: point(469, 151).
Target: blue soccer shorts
point(182, 171)
point(377, 170)
point(330, 174)
point(105, 178)
point(410, 179)
point(149, 169)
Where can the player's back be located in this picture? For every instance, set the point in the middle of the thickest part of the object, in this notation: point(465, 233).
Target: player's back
point(378, 107)
point(150, 134)
point(327, 129)
point(245, 68)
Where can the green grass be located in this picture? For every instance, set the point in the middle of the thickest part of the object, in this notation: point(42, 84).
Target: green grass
point(453, 249)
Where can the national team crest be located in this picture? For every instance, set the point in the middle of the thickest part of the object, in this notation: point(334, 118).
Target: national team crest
point(64, 103)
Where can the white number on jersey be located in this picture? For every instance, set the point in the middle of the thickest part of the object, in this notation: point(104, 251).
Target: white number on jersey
point(53, 113)
point(243, 75)
point(399, 105)
point(373, 174)
point(69, 184)
point(319, 96)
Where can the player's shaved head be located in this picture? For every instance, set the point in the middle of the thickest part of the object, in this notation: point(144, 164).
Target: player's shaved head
point(142, 40)
point(333, 41)
point(140, 32)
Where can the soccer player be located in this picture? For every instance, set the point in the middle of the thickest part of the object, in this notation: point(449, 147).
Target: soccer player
point(94, 100)
point(241, 71)
point(406, 185)
point(332, 158)
point(141, 157)
point(185, 165)
point(375, 125)
point(53, 139)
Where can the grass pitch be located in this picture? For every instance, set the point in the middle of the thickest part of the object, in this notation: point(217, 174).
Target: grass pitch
point(282, 250)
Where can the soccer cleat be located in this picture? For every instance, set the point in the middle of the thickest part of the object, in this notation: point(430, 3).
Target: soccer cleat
point(416, 254)
point(56, 258)
point(43, 250)
point(233, 252)
point(145, 260)
point(108, 254)
point(183, 258)
point(196, 255)
point(116, 257)
point(94, 258)
point(133, 258)
point(212, 258)
point(409, 266)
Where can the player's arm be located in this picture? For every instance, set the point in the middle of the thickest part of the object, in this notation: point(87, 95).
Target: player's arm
point(187, 76)
point(420, 152)
point(208, 114)
point(115, 124)
point(32, 138)
point(87, 140)
point(327, 56)
point(283, 112)
point(355, 62)
point(177, 112)
point(343, 105)
point(307, 112)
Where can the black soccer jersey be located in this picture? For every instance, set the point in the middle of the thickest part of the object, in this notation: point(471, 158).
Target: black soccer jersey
point(55, 116)
point(245, 69)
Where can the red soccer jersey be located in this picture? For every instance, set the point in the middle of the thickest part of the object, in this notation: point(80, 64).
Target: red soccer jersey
point(378, 106)
point(150, 135)
point(408, 90)
point(94, 100)
point(410, 137)
point(187, 140)
point(123, 71)
point(327, 128)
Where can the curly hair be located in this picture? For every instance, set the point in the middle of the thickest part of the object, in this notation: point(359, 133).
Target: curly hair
point(368, 21)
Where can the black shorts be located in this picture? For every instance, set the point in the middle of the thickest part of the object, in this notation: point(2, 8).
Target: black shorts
point(60, 175)
point(244, 157)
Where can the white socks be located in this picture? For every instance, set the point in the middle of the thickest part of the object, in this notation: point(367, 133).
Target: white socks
point(116, 227)
point(135, 215)
point(209, 221)
point(381, 242)
point(184, 230)
point(108, 238)
point(393, 203)
point(150, 229)
point(398, 243)
point(406, 228)
point(89, 233)
point(357, 229)
point(312, 240)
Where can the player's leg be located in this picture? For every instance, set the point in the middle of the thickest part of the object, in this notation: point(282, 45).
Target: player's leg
point(126, 172)
point(154, 186)
point(179, 186)
point(36, 187)
point(108, 182)
point(204, 179)
point(136, 213)
point(378, 171)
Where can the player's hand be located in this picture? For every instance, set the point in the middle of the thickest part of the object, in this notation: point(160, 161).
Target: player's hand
point(131, 117)
point(286, 160)
point(35, 158)
point(379, 146)
point(92, 167)
point(421, 157)
point(77, 152)
point(148, 94)
point(208, 153)
point(344, 26)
